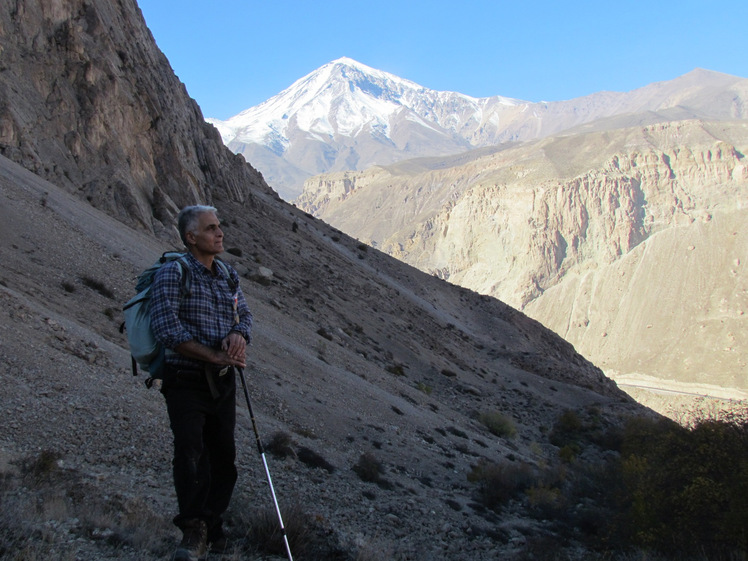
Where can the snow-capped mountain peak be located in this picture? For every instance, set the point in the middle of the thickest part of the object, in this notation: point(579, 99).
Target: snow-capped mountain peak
point(346, 115)
point(341, 99)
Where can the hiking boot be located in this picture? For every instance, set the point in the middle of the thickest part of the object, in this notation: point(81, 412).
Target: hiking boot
point(194, 541)
point(217, 540)
point(219, 545)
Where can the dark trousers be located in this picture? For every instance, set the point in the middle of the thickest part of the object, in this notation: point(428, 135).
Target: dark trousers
point(204, 448)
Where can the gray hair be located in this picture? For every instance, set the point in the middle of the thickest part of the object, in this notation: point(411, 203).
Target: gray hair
point(188, 218)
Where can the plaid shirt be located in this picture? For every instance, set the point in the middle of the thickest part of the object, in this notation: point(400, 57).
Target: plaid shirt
point(206, 314)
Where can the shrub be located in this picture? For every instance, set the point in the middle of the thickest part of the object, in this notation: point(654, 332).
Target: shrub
point(500, 482)
point(569, 422)
point(281, 445)
point(40, 468)
point(396, 369)
point(368, 468)
point(264, 532)
point(45, 493)
point(579, 430)
point(569, 452)
point(686, 488)
point(98, 286)
point(314, 460)
point(499, 424)
point(68, 287)
point(546, 501)
point(425, 388)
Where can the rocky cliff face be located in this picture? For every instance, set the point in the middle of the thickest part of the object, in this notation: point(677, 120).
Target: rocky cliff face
point(118, 130)
point(523, 221)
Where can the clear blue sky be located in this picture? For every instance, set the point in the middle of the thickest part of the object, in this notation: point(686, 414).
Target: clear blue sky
point(234, 54)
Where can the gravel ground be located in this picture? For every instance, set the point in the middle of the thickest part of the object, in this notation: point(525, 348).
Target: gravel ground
point(369, 360)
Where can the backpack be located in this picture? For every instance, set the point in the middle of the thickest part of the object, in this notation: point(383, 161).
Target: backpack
point(145, 350)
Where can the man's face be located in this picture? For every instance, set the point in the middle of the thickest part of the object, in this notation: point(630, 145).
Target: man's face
point(207, 238)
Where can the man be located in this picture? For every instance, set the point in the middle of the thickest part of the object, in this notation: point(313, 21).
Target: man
point(205, 332)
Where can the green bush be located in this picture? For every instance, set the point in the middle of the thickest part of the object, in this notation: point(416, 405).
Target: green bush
point(578, 430)
point(546, 501)
point(500, 482)
point(425, 388)
point(569, 452)
point(368, 468)
point(686, 488)
point(396, 369)
point(499, 424)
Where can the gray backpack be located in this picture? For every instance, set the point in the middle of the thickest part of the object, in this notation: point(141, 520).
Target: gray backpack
point(145, 350)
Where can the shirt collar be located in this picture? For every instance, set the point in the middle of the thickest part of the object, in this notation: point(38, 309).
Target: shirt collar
point(198, 266)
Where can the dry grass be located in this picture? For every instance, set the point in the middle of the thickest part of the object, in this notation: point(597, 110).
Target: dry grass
point(256, 532)
point(49, 512)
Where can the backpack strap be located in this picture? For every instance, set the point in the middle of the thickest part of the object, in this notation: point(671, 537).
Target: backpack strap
point(221, 265)
point(232, 285)
point(184, 270)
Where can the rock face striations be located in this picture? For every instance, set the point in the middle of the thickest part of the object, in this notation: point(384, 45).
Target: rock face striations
point(586, 232)
point(89, 102)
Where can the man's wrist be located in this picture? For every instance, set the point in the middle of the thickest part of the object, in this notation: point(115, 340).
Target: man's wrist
point(240, 333)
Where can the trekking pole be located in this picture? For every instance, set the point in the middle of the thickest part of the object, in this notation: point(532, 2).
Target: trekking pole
point(265, 463)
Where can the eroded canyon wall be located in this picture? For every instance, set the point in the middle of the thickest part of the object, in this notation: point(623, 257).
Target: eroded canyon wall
point(587, 233)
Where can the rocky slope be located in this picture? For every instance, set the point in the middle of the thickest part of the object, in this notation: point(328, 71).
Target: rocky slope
point(355, 354)
point(627, 242)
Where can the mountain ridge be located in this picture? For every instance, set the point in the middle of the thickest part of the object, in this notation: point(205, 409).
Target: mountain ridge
point(348, 116)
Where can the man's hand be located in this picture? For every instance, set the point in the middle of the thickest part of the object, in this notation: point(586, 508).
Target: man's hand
point(235, 347)
point(232, 352)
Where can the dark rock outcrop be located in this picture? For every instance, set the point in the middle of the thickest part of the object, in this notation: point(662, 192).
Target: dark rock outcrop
point(90, 103)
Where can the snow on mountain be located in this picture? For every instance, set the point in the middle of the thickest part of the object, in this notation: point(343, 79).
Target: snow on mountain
point(348, 116)
point(342, 98)
point(354, 116)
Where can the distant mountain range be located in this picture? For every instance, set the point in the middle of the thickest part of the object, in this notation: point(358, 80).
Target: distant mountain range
point(348, 116)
